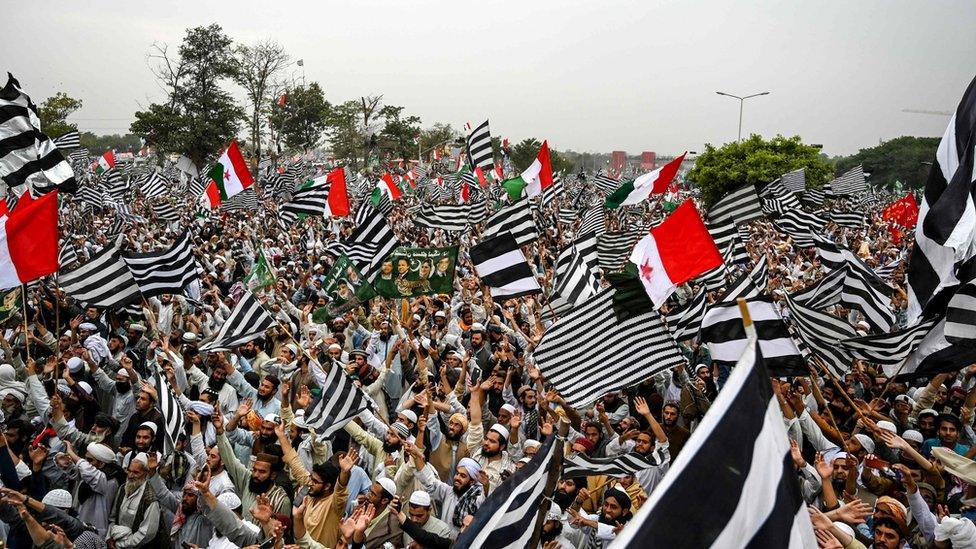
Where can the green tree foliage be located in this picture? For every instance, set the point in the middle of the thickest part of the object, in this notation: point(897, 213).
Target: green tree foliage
point(436, 136)
point(304, 118)
point(199, 117)
point(524, 153)
point(399, 133)
point(756, 161)
point(97, 144)
point(54, 113)
point(900, 159)
point(344, 130)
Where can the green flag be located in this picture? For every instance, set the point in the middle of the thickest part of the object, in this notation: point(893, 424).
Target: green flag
point(514, 187)
point(411, 272)
point(346, 287)
point(261, 276)
point(10, 302)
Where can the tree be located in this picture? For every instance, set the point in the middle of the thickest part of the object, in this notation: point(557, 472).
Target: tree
point(525, 152)
point(304, 118)
point(257, 67)
point(438, 135)
point(54, 113)
point(345, 133)
point(756, 161)
point(399, 134)
point(99, 143)
point(199, 117)
point(900, 159)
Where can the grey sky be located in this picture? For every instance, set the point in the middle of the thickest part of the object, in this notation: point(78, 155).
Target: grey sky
point(587, 75)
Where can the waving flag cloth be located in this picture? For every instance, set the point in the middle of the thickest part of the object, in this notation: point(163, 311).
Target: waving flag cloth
point(230, 172)
point(538, 176)
point(29, 242)
point(654, 182)
point(674, 252)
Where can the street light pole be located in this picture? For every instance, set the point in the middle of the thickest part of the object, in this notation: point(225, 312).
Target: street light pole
point(742, 101)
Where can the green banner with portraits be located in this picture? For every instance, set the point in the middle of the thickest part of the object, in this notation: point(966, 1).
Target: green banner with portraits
point(346, 287)
point(410, 272)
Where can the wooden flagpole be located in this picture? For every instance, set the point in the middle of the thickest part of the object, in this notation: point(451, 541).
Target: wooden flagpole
point(23, 297)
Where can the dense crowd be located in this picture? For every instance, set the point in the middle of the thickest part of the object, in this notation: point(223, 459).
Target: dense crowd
point(457, 406)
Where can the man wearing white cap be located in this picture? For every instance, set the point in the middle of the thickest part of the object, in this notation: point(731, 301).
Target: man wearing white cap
point(460, 498)
point(385, 527)
point(100, 480)
point(488, 449)
point(421, 523)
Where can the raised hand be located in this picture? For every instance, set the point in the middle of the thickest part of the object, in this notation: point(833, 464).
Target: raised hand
point(641, 406)
point(853, 512)
point(823, 468)
point(348, 461)
point(245, 407)
point(798, 460)
point(304, 397)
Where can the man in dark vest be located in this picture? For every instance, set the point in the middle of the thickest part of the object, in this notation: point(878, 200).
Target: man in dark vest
point(135, 519)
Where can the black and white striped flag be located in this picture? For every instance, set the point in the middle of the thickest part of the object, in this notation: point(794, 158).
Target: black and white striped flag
point(553, 191)
point(593, 220)
point(814, 197)
point(944, 239)
point(27, 156)
point(605, 183)
point(451, 217)
point(726, 337)
point(750, 284)
point(341, 402)
point(246, 322)
point(70, 140)
point(854, 220)
point(307, 201)
point(848, 287)
point(795, 181)
point(155, 186)
point(584, 368)
point(370, 242)
point(613, 248)
point(884, 272)
point(821, 332)
point(889, 350)
point(852, 182)
point(836, 256)
point(574, 281)
point(740, 451)
point(104, 281)
point(507, 518)
point(739, 207)
point(579, 465)
point(164, 271)
point(116, 185)
point(727, 240)
point(515, 219)
point(66, 253)
point(165, 211)
point(685, 322)
point(801, 226)
point(173, 415)
point(480, 153)
point(502, 266)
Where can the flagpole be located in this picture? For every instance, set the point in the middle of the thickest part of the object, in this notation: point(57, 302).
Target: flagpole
point(23, 297)
point(551, 480)
point(839, 387)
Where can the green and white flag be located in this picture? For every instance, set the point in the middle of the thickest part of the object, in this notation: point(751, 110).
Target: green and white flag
point(261, 276)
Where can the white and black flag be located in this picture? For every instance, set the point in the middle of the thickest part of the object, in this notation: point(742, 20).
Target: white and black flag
point(852, 182)
point(515, 219)
point(741, 452)
point(341, 402)
point(104, 281)
point(739, 207)
point(480, 153)
point(502, 266)
point(623, 465)
point(726, 337)
point(246, 322)
point(164, 271)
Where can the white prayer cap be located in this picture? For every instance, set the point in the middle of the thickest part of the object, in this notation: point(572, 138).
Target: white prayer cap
point(274, 418)
point(335, 347)
point(388, 485)
point(501, 430)
point(865, 442)
point(293, 348)
point(888, 426)
point(85, 386)
point(420, 498)
point(142, 458)
point(508, 408)
point(75, 364)
point(58, 498)
point(229, 499)
point(409, 414)
point(913, 436)
point(477, 327)
point(299, 420)
point(87, 327)
point(150, 425)
point(101, 452)
point(440, 314)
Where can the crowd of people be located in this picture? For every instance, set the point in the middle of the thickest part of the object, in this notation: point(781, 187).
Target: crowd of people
point(458, 405)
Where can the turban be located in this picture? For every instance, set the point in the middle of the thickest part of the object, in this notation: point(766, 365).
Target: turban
point(471, 466)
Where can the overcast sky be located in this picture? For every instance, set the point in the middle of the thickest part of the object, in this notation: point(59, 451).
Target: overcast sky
point(587, 75)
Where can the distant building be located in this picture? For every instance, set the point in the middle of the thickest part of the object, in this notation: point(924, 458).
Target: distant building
point(648, 160)
point(618, 160)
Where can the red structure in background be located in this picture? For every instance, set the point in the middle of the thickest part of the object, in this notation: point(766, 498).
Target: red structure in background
point(648, 160)
point(618, 159)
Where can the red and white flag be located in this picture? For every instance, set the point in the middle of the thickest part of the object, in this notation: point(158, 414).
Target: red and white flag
point(674, 252)
point(29, 242)
point(538, 176)
point(337, 204)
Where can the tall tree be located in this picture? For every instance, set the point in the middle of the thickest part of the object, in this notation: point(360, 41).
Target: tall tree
point(345, 133)
point(436, 136)
point(399, 135)
point(304, 117)
point(199, 117)
point(54, 113)
point(524, 153)
point(258, 66)
point(902, 159)
point(757, 161)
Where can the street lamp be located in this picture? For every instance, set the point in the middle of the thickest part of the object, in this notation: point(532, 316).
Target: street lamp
point(741, 101)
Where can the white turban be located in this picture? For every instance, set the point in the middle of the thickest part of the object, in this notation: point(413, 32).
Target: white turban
point(960, 531)
point(101, 452)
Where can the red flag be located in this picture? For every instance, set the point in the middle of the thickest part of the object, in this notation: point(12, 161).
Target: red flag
point(903, 212)
point(282, 100)
point(481, 177)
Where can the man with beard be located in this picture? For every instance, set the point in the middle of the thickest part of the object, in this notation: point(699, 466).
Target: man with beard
point(327, 494)
point(146, 410)
point(928, 423)
point(99, 480)
point(250, 443)
point(450, 449)
point(382, 342)
point(479, 350)
point(253, 351)
point(488, 449)
point(567, 490)
point(189, 525)
point(136, 520)
point(145, 435)
point(167, 312)
point(653, 446)
point(264, 397)
point(381, 449)
point(260, 480)
point(457, 500)
point(226, 394)
point(598, 531)
point(420, 527)
point(677, 435)
point(135, 340)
